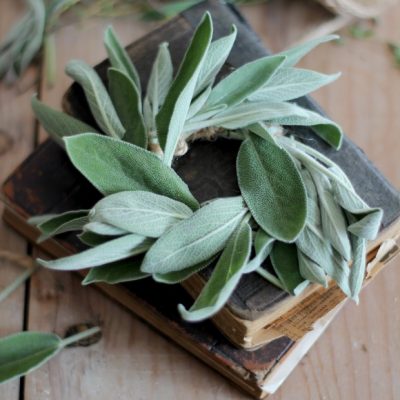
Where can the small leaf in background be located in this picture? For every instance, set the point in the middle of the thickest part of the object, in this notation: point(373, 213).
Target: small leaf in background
point(139, 212)
point(310, 270)
point(58, 124)
point(272, 188)
point(116, 272)
point(114, 250)
point(224, 278)
point(24, 352)
point(286, 266)
point(119, 58)
point(114, 166)
point(128, 104)
point(263, 244)
point(197, 238)
point(244, 81)
point(395, 50)
point(97, 96)
point(361, 31)
point(172, 115)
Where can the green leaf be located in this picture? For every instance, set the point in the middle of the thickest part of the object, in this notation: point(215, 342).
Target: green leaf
point(116, 272)
point(114, 166)
point(119, 58)
point(114, 250)
point(197, 238)
point(159, 82)
point(286, 266)
point(310, 270)
point(92, 239)
point(294, 54)
point(174, 277)
point(313, 211)
point(52, 225)
point(263, 244)
point(272, 188)
point(100, 228)
point(217, 54)
point(357, 271)
point(244, 81)
point(291, 83)
point(127, 102)
point(224, 278)
point(96, 94)
point(24, 352)
point(198, 103)
point(58, 124)
point(144, 213)
point(172, 115)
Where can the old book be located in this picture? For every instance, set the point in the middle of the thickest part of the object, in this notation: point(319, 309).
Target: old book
point(46, 182)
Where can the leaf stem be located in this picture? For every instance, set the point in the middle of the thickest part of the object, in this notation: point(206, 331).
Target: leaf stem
point(270, 277)
point(79, 336)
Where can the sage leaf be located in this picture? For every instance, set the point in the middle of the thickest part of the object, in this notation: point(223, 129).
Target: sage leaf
point(159, 82)
point(127, 102)
point(24, 352)
point(291, 83)
point(98, 99)
point(114, 166)
point(263, 245)
point(52, 225)
point(172, 115)
point(310, 270)
point(174, 277)
point(140, 212)
point(114, 250)
point(119, 58)
point(100, 228)
point(224, 278)
point(244, 81)
point(295, 54)
point(357, 271)
point(197, 238)
point(286, 266)
point(199, 102)
point(116, 272)
point(268, 176)
point(217, 54)
point(58, 124)
point(313, 210)
point(92, 239)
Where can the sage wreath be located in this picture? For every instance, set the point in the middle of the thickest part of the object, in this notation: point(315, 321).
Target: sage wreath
point(296, 206)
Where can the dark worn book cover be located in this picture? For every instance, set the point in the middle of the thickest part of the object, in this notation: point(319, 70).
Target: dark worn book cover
point(47, 183)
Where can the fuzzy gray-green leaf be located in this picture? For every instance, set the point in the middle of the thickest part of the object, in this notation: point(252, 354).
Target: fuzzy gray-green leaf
point(127, 102)
point(357, 271)
point(58, 124)
point(263, 245)
point(197, 238)
point(140, 212)
point(310, 270)
point(272, 188)
point(114, 166)
point(98, 99)
point(100, 228)
point(114, 250)
point(224, 278)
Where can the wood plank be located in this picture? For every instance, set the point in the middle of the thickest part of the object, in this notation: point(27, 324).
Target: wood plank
point(357, 358)
point(16, 141)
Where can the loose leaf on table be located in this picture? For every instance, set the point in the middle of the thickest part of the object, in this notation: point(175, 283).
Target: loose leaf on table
point(268, 176)
point(197, 238)
point(172, 115)
point(127, 102)
point(119, 58)
point(310, 270)
point(113, 166)
point(23, 352)
point(217, 54)
point(291, 83)
point(140, 212)
point(117, 272)
point(224, 278)
point(174, 277)
point(244, 81)
point(286, 266)
point(159, 83)
point(263, 245)
point(52, 225)
point(114, 250)
point(100, 228)
point(58, 124)
point(97, 96)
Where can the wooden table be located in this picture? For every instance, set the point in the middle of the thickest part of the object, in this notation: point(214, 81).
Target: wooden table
point(359, 355)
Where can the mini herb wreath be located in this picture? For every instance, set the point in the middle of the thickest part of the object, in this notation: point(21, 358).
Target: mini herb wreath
point(296, 206)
